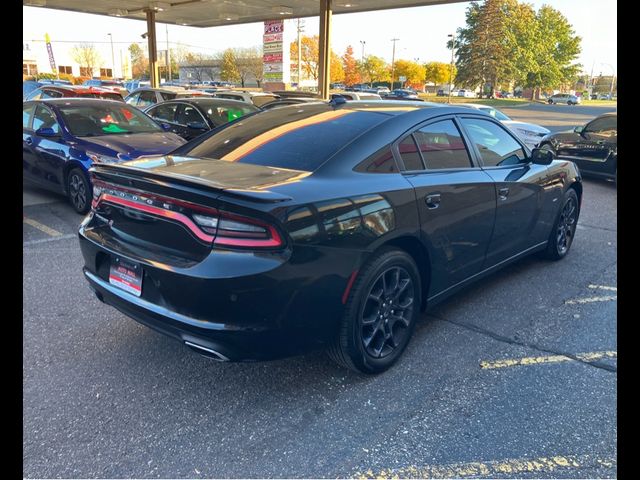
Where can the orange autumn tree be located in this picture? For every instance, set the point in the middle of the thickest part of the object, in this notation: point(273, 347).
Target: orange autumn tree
point(351, 73)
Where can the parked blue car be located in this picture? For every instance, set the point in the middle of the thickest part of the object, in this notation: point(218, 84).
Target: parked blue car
point(62, 138)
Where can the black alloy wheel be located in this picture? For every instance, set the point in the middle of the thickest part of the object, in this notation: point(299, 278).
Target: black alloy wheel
point(79, 191)
point(380, 314)
point(564, 230)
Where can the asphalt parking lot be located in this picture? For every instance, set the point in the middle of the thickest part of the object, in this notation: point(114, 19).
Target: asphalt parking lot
point(514, 377)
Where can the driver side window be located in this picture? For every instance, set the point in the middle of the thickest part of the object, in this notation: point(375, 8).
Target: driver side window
point(604, 127)
point(496, 146)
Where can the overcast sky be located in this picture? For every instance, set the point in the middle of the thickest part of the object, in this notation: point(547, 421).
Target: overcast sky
point(422, 31)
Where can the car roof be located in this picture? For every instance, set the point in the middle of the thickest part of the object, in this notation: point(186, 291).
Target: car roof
point(80, 101)
point(204, 101)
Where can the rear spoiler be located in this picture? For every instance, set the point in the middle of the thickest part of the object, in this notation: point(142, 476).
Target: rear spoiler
point(119, 170)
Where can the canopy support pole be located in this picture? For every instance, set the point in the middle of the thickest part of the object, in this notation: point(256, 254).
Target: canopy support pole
point(153, 51)
point(324, 69)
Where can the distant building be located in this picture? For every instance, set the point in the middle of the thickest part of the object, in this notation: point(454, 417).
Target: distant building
point(35, 60)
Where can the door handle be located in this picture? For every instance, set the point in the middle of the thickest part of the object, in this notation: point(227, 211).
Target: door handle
point(432, 201)
point(29, 141)
point(503, 193)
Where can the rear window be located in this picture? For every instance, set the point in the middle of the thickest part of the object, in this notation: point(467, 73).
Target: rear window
point(296, 137)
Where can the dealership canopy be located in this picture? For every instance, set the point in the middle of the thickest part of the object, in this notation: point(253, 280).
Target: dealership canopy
point(213, 13)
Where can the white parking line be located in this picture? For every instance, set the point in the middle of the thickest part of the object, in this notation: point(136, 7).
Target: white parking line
point(47, 240)
point(604, 287)
point(604, 298)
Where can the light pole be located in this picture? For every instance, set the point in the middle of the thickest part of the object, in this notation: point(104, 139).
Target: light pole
point(453, 42)
point(613, 70)
point(393, 60)
point(362, 42)
point(113, 61)
point(167, 57)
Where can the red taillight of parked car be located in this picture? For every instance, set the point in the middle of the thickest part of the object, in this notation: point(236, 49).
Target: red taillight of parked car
point(208, 224)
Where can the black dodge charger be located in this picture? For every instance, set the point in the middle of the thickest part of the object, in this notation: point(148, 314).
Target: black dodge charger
point(321, 225)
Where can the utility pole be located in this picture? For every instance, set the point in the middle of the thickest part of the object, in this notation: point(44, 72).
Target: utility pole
point(300, 26)
point(362, 42)
point(393, 60)
point(167, 55)
point(113, 62)
point(453, 42)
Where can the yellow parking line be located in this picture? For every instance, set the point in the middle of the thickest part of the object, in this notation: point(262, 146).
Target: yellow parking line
point(511, 467)
point(43, 228)
point(587, 357)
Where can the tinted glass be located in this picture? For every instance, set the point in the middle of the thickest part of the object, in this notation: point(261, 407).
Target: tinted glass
point(146, 98)
point(43, 118)
point(605, 126)
point(27, 111)
point(221, 114)
point(46, 93)
point(496, 146)
point(442, 146)
point(133, 99)
point(35, 95)
point(164, 112)
point(299, 138)
point(188, 114)
point(380, 162)
point(498, 115)
point(107, 119)
point(168, 95)
point(409, 153)
point(260, 100)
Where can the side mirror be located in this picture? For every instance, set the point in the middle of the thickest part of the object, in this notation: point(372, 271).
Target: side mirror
point(197, 125)
point(542, 157)
point(165, 126)
point(46, 132)
point(579, 129)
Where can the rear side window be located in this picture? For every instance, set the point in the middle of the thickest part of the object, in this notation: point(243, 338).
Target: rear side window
point(164, 112)
point(496, 146)
point(168, 95)
point(442, 146)
point(46, 93)
point(300, 140)
point(188, 114)
point(409, 154)
point(380, 162)
point(146, 98)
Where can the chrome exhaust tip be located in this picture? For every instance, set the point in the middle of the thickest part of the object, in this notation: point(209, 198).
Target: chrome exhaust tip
point(207, 352)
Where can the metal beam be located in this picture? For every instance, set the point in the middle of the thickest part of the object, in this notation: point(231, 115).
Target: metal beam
point(324, 69)
point(152, 45)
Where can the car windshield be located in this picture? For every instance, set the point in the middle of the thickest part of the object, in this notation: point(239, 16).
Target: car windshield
point(497, 114)
point(108, 119)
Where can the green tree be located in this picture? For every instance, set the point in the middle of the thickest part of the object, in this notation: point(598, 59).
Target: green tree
point(229, 67)
point(374, 69)
point(351, 73)
point(87, 56)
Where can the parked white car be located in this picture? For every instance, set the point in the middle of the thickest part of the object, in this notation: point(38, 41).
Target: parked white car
point(529, 133)
point(357, 95)
point(564, 98)
point(466, 93)
point(254, 98)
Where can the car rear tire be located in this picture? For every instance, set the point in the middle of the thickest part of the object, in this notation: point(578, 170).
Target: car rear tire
point(550, 102)
point(564, 228)
point(380, 313)
point(79, 191)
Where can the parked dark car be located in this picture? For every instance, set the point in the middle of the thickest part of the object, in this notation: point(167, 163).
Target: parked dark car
point(71, 91)
point(191, 117)
point(593, 147)
point(288, 101)
point(325, 224)
point(400, 94)
point(62, 138)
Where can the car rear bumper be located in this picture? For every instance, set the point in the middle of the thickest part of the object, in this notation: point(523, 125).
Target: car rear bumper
point(232, 303)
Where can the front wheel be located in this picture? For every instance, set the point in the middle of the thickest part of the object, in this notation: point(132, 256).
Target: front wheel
point(79, 191)
point(380, 314)
point(550, 102)
point(564, 228)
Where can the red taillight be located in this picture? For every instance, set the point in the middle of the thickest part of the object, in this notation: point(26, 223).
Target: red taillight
point(209, 224)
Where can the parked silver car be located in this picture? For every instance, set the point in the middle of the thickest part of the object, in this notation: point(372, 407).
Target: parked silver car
point(564, 98)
